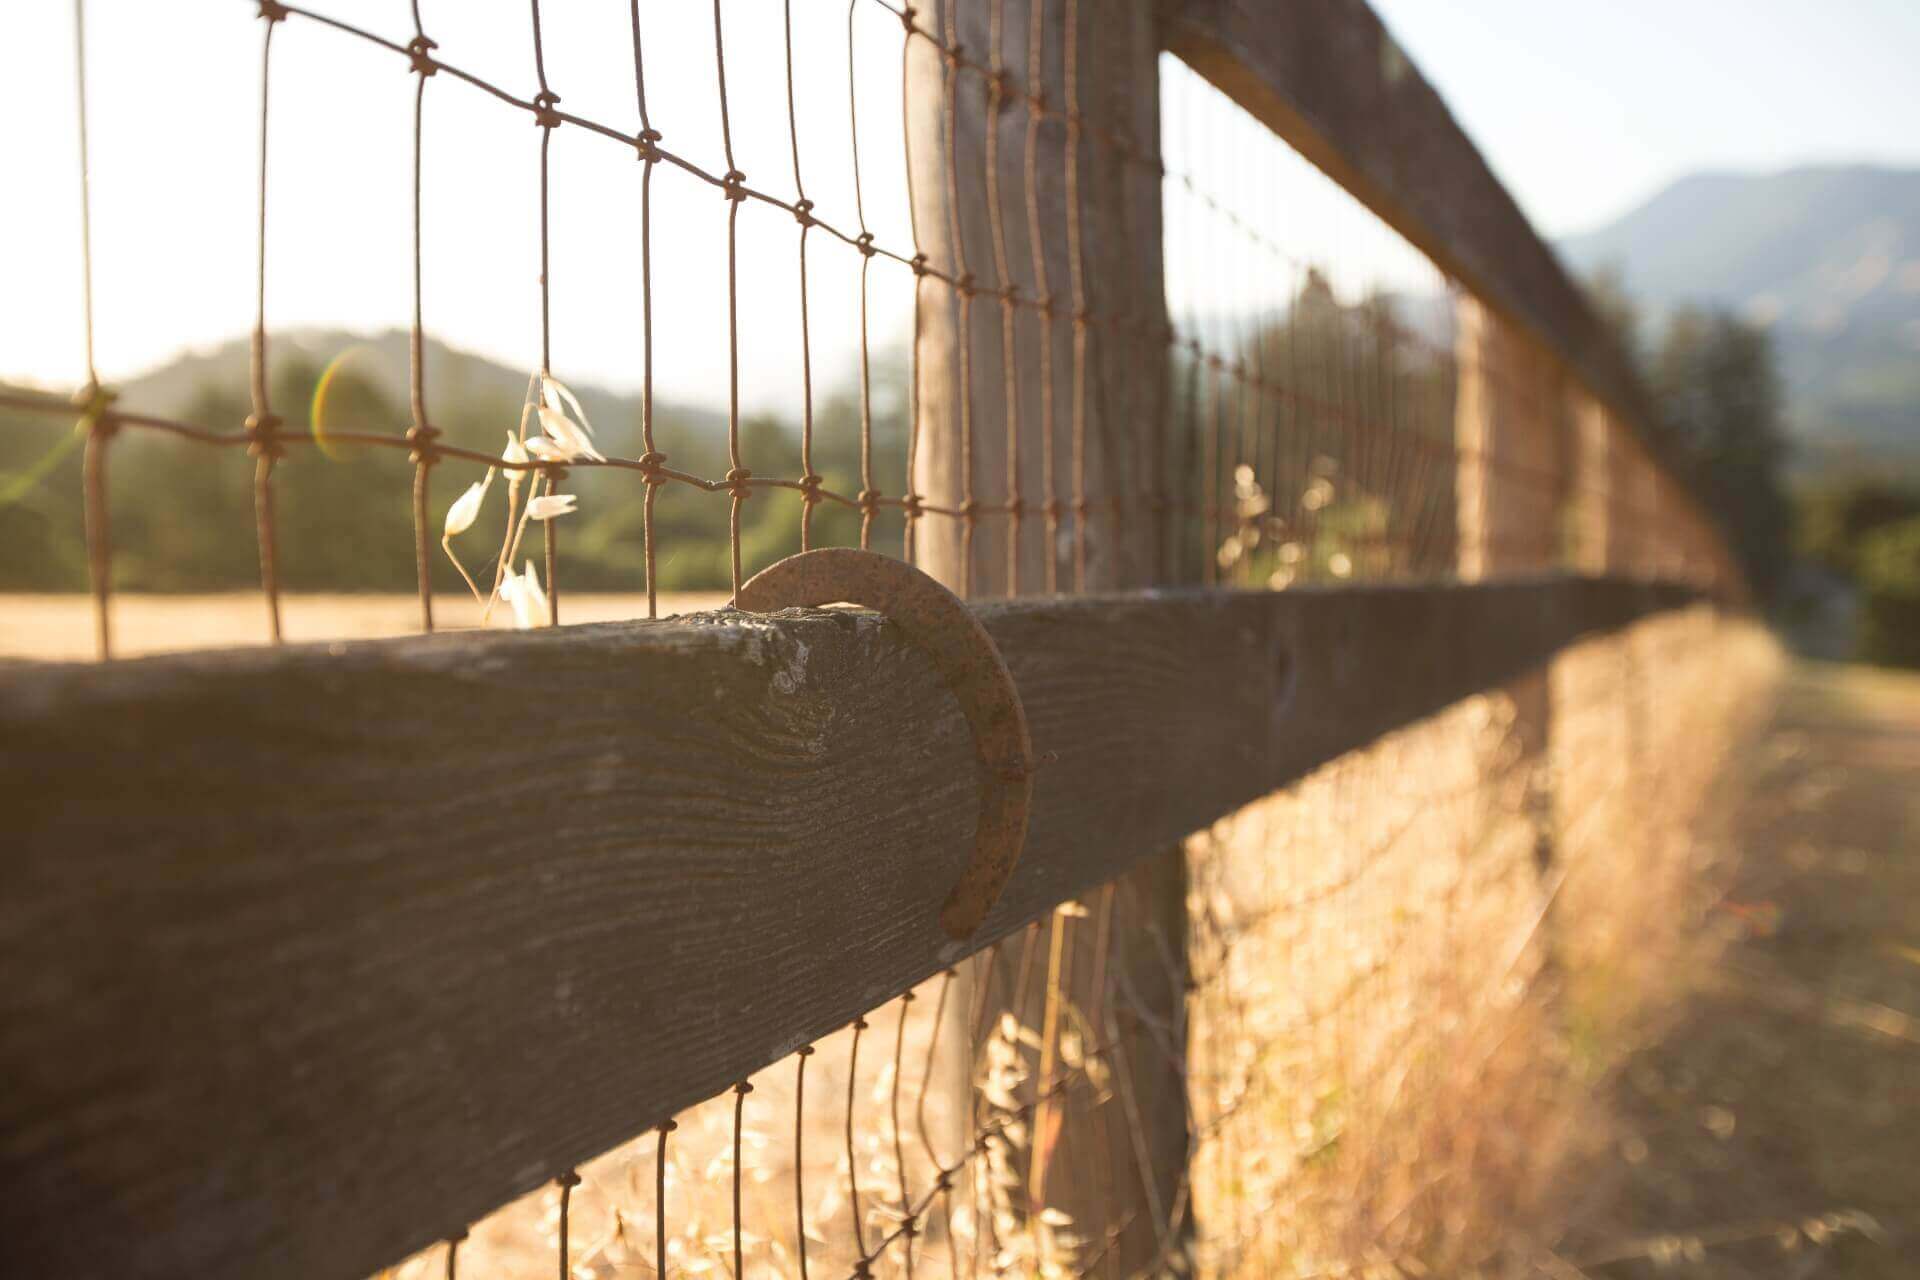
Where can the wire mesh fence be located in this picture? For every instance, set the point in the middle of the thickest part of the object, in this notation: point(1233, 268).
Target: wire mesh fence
point(1148, 344)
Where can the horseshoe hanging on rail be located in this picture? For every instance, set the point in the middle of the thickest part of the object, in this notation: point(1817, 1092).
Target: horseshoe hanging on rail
point(964, 654)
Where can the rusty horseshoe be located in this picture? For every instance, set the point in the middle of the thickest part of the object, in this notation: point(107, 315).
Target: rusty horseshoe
point(964, 654)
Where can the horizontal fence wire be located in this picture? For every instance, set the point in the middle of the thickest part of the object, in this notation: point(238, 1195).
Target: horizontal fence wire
point(1268, 380)
point(1238, 1074)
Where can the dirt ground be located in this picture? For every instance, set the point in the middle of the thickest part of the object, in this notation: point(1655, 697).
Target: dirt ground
point(1773, 1128)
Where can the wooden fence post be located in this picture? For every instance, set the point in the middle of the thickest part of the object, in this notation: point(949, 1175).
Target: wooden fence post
point(1510, 432)
point(1592, 510)
point(1041, 380)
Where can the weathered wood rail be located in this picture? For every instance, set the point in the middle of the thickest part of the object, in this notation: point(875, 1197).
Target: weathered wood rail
point(1326, 76)
point(316, 954)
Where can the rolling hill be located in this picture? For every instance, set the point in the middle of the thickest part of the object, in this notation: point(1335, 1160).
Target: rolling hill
point(455, 380)
point(1828, 258)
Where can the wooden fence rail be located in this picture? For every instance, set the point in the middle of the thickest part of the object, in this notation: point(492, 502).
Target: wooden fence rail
point(317, 954)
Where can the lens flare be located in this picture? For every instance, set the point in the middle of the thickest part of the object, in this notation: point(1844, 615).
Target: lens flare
point(334, 450)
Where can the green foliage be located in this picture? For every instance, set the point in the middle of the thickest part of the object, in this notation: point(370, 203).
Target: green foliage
point(1833, 518)
point(44, 544)
point(1888, 566)
point(1719, 402)
point(183, 511)
point(1343, 489)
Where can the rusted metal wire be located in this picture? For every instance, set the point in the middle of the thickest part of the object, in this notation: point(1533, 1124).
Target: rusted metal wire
point(1244, 372)
point(1308, 433)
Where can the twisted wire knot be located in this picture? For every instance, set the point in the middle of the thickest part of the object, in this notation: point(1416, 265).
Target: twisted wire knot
point(864, 243)
point(1051, 508)
point(647, 143)
point(569, 1179)
point(733, 185)
point(650, 464)
point(907, 14)
point(544, 114)
point(869, 500)
point(420, 53)
point(810, 488)
point(421, 437)
point(261, 426)
point(956, 56)
point(910, 504)
point(274, 11)
point(95, 403)
point(803, 212)
point(964, 285)
point(743, 1088)
point(740, 484)
point(919, 264)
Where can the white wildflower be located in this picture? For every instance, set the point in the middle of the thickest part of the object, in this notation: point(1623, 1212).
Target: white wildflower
point(562, 418)
point(547, 506)
point(546, 450)
point(569, 435)
point(554, 394)
point(524, 596)
point(460, 517)
point(466, 508)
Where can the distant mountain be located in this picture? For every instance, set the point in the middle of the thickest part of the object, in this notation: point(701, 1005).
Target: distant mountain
point(1829, 257)
point(458, 383)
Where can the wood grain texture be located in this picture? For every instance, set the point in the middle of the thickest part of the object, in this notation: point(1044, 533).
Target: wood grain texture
point(315, 955)
point(1024, 201)
point(1329, 79)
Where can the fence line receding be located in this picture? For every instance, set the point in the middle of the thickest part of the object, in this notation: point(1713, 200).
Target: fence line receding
point(1319, 873)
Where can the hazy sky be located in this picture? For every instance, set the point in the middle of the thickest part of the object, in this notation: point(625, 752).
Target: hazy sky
point(1583, 110)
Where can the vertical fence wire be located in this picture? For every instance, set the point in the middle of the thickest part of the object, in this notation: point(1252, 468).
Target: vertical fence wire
point(1315, 428)
point(1247, 417)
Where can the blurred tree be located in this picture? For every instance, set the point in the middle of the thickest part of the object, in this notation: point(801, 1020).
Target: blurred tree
point(1834, 516)
point(1717, 402)
point(1607, 294)
point(1889, 576)
point(183, 515)
point(42, 544)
